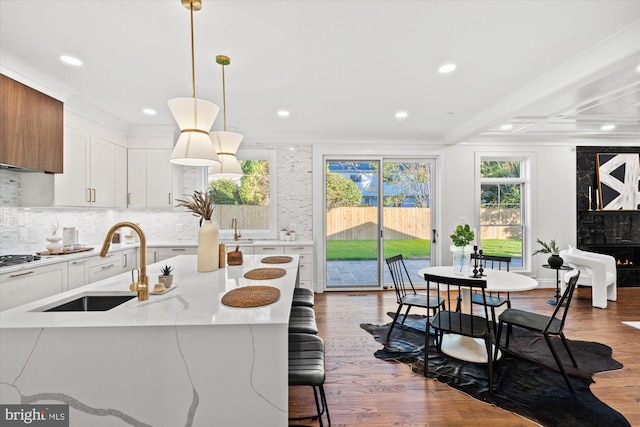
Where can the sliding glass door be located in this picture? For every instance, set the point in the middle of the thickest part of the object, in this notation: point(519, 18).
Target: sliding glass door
point(374, 209)
point(407, 214)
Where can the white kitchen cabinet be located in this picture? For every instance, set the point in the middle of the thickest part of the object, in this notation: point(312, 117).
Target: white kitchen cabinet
point(24, 286)
point(150, 178)
point(71, 187)
point(305, 267)
point(120, 191)
point(128, 259)
point(268, 250)
point(164, 253)
point(89, 177)
point(104, 267)
point(78, 273)
point(153, 255)
point(103, 182)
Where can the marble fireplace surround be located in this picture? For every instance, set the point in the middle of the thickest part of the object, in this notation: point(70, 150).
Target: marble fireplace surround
point(615, 233)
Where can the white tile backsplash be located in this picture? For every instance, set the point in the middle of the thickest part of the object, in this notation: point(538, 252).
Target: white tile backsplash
point(23, 230)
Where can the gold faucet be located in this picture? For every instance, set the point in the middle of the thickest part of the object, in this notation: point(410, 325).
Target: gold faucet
point(142, 285)
point(234, 225)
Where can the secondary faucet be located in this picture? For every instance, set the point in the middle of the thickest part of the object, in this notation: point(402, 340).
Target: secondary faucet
point(234, 225)
point(142, 285)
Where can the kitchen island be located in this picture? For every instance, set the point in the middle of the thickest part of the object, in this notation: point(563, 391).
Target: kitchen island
point(181, 358)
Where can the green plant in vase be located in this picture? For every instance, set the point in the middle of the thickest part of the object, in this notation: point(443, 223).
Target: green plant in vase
point(166, 278)
point(462, 236)
point(554, 261)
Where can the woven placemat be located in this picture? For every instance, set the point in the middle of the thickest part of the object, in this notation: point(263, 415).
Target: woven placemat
point(276, 259)
point(265, 273)
point(251, 296)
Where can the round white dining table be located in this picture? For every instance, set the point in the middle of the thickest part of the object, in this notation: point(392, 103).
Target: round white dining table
point(473, 349)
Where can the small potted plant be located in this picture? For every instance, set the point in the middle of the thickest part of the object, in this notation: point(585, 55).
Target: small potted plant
point(554, 260)
point(461, 237)
point(166, 278)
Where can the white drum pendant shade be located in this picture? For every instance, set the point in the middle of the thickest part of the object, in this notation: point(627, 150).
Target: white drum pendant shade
point(195, 118)
point(226, 145)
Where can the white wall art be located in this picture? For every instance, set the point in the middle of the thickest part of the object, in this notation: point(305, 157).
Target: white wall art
point(619, 181)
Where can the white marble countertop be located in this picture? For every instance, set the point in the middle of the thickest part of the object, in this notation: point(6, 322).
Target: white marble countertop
point(195, 299)
point(53, 259)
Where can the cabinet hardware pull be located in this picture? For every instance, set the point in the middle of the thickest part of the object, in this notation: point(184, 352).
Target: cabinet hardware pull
point(21, 274)
point(88, 194)
point(108, 266)
point(78, 262)
point(169, 199)
point(94, 194)
point(128, 199)
point(126, 260)
point(178, 249)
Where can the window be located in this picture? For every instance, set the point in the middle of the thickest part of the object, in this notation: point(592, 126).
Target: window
point(250, 199)
point(503, 187)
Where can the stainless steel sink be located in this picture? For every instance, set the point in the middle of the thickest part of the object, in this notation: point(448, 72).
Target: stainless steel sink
point(95, 302)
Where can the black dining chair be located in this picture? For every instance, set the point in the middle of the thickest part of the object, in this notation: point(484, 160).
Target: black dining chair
point(454, 321)
point(406, 294)
point(494, 299)
point(548, 326)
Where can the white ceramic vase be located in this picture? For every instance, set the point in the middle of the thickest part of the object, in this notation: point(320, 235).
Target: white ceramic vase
point(55, 244)
point(461, 259)
point(208, 247)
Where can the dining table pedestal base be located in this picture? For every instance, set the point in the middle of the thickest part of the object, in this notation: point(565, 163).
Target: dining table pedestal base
point(466, 348)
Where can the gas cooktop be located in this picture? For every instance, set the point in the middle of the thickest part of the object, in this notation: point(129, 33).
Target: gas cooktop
point(8, 260)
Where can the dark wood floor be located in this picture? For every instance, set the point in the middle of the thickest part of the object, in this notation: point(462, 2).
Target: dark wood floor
point(364, 391)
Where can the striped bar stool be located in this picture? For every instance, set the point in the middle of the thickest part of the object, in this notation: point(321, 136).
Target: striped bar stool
point(303, 297)
point(302, 320)
point(306, 368)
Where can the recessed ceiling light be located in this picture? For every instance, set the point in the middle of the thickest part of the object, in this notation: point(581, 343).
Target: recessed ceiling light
point(506, 126)
point(607, 127)
point(401, 115)
point(447, 68)
point(149, 112)
point(70, 60)
point(283, 113)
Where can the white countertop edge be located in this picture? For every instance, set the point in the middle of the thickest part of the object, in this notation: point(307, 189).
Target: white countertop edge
point(119, 247)
point(195, 301)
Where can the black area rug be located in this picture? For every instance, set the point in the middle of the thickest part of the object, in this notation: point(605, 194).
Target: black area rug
point(526, 378)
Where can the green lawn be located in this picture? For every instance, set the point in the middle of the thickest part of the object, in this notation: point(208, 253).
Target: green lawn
point(417, 249)
point(507, 247)
point(368, 249)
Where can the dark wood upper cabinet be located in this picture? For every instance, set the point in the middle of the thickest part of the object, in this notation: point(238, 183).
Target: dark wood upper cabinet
point(31, 128)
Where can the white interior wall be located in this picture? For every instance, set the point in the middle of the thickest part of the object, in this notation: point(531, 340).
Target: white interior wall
point(552, 199)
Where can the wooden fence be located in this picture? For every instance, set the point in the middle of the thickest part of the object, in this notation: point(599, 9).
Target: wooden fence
point(249, 217)
point(360, 223)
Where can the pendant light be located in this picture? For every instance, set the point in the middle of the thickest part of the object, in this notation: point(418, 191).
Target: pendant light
point(225, 143)
point(194, 116)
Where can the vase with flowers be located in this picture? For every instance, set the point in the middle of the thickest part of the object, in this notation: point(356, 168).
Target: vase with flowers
point(461, 250)
point(201, 205)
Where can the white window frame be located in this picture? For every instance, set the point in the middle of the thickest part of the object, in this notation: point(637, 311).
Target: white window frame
point(526, 196)
point(272, 232)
